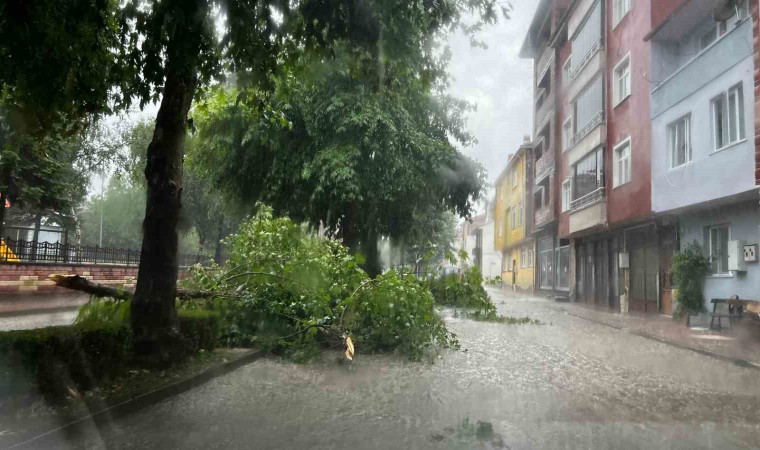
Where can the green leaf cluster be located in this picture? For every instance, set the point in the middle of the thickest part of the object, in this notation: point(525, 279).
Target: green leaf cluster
point(690, 267)
point(297, 294)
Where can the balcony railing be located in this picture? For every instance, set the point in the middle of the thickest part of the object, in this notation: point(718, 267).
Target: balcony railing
point(544, 110)
point(586, 129)
point(586, 58)
point(544, 63)
point(544, 215)
point(588, 199)
point(544, 165)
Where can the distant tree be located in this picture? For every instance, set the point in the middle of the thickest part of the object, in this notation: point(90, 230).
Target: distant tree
point(40, 176)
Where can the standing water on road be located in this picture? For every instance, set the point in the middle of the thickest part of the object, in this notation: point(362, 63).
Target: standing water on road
point(568, 383)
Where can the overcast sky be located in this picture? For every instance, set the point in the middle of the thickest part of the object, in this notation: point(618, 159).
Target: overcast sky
point(499, 83)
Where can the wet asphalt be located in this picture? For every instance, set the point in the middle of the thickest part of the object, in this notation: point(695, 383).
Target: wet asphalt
point(568, 383)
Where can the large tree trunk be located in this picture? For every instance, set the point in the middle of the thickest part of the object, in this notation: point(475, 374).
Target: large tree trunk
point(372, 263)
point(155, 336)
point(218, 247)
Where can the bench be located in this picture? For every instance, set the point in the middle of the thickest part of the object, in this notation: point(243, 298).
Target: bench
point(732, 309)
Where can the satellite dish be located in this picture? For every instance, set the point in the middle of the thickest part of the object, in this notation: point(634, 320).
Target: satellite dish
point(723, 10)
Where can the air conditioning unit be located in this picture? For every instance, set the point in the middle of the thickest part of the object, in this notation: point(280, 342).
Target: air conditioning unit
point(736, 261)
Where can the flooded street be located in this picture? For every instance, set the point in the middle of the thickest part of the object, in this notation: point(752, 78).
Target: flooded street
point(569, 383)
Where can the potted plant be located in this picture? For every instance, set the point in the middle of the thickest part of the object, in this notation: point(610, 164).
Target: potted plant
point(690, 267)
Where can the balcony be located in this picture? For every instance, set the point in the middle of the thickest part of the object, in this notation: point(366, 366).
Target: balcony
point(544, 165)
point(545, 215)
point(705, 67)
point(588, 212)
point(585, 69)
point(545, 111)
point(544, 63)
point(589, 137)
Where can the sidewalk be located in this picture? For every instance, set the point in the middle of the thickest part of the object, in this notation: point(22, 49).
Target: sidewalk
point(18, 304)
point(726, 346)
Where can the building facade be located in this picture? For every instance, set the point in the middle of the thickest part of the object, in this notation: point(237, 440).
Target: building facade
point(552, 271)
point(704, 144)
point(607, 246)
point(513, 216)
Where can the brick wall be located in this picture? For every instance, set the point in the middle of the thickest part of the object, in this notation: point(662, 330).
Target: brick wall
point(25, 278)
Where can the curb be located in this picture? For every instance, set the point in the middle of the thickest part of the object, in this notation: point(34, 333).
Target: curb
point(738, 361)
point(105, 412)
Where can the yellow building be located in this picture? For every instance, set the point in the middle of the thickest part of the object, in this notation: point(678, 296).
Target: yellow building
point(512, 212)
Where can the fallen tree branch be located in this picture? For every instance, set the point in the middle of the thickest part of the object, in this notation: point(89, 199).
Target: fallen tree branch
point(82, 284)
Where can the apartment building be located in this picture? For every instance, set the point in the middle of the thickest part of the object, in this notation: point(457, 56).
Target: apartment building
point(553, 267)
point(606, 246)
point(704, 176)
point(513, 218)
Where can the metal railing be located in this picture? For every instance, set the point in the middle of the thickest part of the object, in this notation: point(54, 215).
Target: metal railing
point(544, 165)
point(544, 62)
point(588, 199)
point(55, 252)
point(597, 120)
point(586, 58)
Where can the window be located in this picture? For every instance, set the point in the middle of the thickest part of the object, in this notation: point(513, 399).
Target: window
point(514, 218)
point(713, 32)
point(566, 194)
point(619, 9)
point(588, 174)
point(520, 214)
point(622, 173)
point(622, 80)
point(679, 142)
point(523, 258)
point(567, 69)
point(514, 177)
point(728, 117)
point(588, 35)
point(588, 104)
point(567, 133)
point(530, 258)
point(718, 245)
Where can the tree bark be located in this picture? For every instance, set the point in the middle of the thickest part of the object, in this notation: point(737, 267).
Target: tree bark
point(155, 337)
point(82, 284)
point(372, 258)
point(218, 247)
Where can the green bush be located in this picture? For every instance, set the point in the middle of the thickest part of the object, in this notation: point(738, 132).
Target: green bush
point(296, 294)
point(199, 329)
point(398, 313)
point(59, 358)
point(93, 350)
point(463, 290)
point(690, 267)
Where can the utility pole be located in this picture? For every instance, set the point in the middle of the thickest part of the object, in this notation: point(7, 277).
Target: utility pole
point(102, 204)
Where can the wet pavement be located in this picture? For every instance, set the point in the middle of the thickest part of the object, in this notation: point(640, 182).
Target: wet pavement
point(28, 321)
point(21, 312)
point(569, 383)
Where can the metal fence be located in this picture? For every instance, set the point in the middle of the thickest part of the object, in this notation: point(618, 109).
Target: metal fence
point(55, 252)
